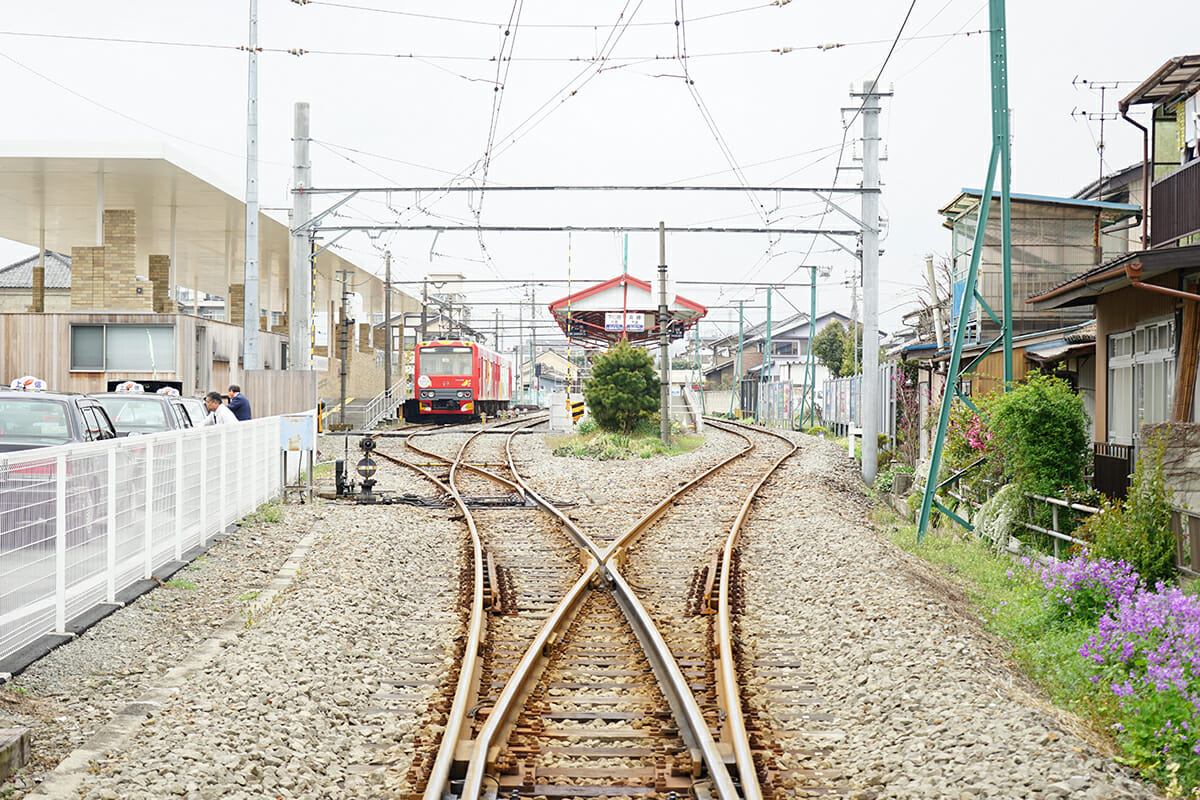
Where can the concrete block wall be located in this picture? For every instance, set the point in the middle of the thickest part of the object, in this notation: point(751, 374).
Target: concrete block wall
point(364, 338)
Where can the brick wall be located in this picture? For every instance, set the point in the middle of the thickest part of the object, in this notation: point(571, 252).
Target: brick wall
point(104, 278)
point(87, 271)
point(237, 303)
point(160, 280)
point(364, 338)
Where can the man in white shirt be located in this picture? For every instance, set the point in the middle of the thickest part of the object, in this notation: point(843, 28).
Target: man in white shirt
point(218, 412)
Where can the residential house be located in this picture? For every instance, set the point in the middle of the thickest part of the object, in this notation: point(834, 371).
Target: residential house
point(16, 284)
point(1145, 301)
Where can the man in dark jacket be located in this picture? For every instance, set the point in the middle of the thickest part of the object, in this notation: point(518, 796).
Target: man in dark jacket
point(238, 403)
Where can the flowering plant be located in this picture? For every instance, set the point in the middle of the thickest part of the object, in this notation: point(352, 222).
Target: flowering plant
point(1148, 650)
point(1083, 589)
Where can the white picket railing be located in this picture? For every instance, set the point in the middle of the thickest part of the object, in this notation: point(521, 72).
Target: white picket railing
point(81, 523)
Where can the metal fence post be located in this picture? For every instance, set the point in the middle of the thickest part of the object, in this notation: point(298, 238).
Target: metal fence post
point(1054, 526)
point(203, 487)
point(148, 528)
point(111, 531)
point(179, 495)
point(222, 461)
point(60, 544)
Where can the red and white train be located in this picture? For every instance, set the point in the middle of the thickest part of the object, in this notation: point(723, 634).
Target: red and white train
point(453, 380)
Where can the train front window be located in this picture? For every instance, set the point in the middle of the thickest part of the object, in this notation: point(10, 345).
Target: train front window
point(445, 361)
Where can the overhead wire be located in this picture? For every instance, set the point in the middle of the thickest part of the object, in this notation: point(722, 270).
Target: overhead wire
point(846, 127)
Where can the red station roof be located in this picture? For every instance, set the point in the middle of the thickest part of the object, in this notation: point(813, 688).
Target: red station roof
point(623, 306)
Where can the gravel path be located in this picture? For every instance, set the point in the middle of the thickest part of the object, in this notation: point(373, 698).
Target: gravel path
point(923, 703)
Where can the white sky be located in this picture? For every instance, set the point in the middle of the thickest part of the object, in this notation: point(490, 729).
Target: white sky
point(424, 118)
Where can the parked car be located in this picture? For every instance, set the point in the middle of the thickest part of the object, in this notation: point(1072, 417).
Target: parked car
point(45, 419)
point(196, 410)
point(29, 487)
point(137, 413)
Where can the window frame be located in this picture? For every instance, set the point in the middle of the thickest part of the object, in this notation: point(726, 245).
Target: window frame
point(104, 366)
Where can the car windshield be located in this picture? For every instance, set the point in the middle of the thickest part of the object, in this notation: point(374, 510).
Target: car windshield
point(136, 414)
point(33, 421)
point(445, 361)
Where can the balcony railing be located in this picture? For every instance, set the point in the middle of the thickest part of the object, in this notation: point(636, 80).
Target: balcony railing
point(1175, 205)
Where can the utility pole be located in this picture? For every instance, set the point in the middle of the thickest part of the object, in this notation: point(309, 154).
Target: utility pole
point(387, 325)
point(299, 264)
point(664, 341)
point(520, 348)
point(424, 309)
point(871, 393)
point(533, 381)
point(250, 281)
point(344, 340)
point(737, 365)
point(764, 374)
point(938, 336)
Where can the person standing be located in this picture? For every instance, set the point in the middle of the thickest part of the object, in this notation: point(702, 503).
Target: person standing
point(238, 403)
point(218, 412)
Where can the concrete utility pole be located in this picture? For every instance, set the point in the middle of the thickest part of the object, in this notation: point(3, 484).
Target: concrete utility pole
point(937, 303)
point(871, 393)
point(250, 282)
point(387, 324)
point(299, 262)
point(343, 339)
point(424, 309)
point(664, 341)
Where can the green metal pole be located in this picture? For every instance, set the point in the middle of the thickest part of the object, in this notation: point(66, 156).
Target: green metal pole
point(699, 371)
point(999, 158)
point(1000, 140)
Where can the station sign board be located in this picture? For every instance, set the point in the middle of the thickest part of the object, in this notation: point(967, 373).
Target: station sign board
point(624, 321)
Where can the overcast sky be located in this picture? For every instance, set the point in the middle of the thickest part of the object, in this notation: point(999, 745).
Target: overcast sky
point(412, 94)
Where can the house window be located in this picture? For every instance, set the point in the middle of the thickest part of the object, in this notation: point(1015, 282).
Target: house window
point(1141, 378)
point(783, 348)
point(123, 348)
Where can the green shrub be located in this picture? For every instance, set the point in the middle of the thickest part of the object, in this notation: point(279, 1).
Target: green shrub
point(623, 388)
point(1039, 430)
point(586, 426)
point(1138, 530)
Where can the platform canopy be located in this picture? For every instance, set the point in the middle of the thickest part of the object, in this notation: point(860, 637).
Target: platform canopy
point(59, 191)
point(622, 307)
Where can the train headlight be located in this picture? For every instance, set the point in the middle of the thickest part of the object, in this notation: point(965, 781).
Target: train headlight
point(465, 393)
point(427, 394)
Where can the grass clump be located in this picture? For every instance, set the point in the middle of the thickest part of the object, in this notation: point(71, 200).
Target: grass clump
point(643, 442)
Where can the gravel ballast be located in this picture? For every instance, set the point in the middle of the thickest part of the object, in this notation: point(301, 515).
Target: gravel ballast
point(923, 703)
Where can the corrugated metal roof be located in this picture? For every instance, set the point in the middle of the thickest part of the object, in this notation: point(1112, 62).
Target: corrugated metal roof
point(19, 275)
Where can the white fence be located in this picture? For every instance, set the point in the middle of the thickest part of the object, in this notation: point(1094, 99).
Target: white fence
point(81, 523)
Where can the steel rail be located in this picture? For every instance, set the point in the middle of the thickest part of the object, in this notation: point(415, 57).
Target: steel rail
point(693, 727)
point(728, 690)
point(528, 670)
point(468, 677)
point(479, 470)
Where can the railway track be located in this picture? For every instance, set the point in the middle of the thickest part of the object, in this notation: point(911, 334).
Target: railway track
point(577, 692)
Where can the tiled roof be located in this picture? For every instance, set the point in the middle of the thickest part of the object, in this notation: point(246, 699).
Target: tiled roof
point(19, 275)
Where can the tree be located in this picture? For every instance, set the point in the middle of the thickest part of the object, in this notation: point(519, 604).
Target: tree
point(852, 352)
point(623, 388)
point(829, 346)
